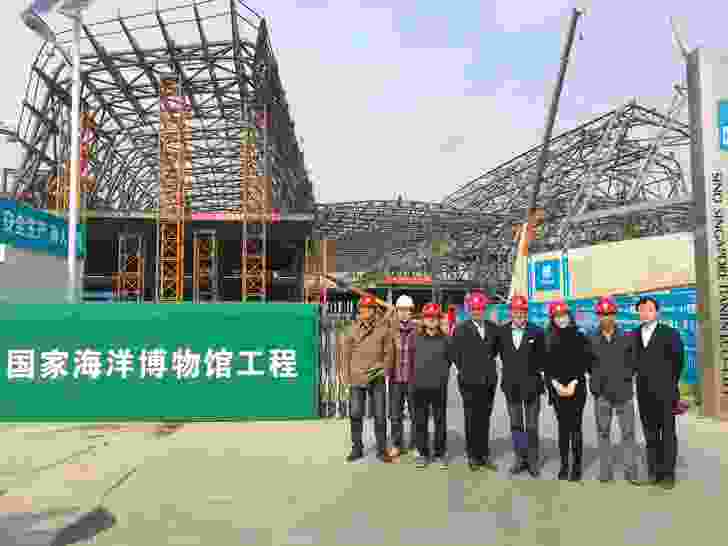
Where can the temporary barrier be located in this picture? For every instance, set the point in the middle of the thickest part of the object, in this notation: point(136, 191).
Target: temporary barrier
point(334, 397)
point(183, 362)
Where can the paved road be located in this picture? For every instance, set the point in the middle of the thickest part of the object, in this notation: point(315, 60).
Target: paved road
point(287, 483)
point(501, 445)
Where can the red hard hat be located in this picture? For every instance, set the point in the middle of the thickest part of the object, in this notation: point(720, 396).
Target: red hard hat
point(476, 300)
point(431, 310)
point(557, 308)
point(367, 301)
point(605, 306)
point(519, 303)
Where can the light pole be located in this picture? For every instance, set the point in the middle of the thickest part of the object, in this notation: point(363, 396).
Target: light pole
point(72, 9)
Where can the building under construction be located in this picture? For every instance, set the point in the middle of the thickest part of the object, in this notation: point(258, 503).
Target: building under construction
point(193, 183)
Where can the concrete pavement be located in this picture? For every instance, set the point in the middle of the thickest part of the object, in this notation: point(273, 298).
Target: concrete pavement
point(287, 483)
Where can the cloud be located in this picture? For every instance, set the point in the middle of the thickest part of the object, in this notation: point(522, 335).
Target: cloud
point(452, 144)
point(381, 117)
point(374, 120)
point(515, 16)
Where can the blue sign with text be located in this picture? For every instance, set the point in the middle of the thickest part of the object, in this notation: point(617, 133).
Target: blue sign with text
point(548, 275)
point(26, 227)
point(723, 124)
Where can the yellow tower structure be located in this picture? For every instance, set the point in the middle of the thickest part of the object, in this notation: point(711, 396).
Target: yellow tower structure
point(59, 187)
point(174, 184)
point(256, 211)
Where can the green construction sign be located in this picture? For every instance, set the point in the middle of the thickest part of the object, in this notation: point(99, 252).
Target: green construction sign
point(183, 362)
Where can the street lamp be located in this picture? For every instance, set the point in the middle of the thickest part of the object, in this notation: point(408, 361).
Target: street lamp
point(72, 9)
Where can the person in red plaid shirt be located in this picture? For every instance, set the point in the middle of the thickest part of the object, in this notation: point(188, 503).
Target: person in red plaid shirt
point(400, 376)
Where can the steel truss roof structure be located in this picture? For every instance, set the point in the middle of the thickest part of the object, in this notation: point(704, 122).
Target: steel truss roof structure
point(227, 70)
point(631, 157)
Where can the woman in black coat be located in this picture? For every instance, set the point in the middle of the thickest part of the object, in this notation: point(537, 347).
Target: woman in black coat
point(568, 359)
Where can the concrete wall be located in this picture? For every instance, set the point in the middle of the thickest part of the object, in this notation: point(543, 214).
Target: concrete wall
point(625, 267)
point(28, 277)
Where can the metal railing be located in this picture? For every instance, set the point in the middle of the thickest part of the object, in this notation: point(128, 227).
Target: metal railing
point(334, 394)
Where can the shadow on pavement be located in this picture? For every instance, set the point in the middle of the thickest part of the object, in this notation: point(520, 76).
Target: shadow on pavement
point(84, 529)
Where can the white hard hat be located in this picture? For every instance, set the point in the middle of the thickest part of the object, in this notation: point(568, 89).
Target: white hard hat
point(404, 301)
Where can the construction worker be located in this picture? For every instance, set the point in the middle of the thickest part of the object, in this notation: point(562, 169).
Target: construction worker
point(400, 389)
point(431, 375)
point(569, 358)
point(660, 357)
point(522, 349)
point(367, 358)
point(611, 384)
point(473, 352)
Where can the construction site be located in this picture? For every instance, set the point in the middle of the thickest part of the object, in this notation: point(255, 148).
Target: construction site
point(194, 187)
point(133, 414)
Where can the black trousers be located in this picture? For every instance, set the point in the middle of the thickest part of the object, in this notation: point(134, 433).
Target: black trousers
point(524, 421)
point(359, 395)
point(426, 400)
point(658, 424)
point(399, 393)
point(478, 408)
point(570, 416)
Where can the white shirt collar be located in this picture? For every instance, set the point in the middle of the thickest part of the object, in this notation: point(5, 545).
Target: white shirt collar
point(649, 326)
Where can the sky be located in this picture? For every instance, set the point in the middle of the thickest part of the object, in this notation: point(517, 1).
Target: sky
point(417, 97)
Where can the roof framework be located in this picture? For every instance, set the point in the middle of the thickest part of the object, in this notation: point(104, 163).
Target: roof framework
point(631, 156)
point(221, 52)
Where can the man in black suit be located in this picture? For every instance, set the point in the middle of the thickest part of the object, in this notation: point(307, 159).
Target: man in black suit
point(659, 363)
point(522, 349)
point(473, 348)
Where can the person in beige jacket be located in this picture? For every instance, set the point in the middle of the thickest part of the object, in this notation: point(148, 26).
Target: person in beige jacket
point(368, 356)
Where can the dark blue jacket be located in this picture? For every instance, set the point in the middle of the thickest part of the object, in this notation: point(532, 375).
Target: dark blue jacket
point(473, 356)
point(521, 376)
point(660, 365)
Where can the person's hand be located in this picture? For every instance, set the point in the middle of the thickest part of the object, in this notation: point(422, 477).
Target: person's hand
point(571, 388)
point(560, 389)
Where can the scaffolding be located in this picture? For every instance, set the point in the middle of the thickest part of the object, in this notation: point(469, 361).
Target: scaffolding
point(320, 259)
point(59, 187)
point(128, 281)
point(205, 277)
point(174, 184)
point(256, 210)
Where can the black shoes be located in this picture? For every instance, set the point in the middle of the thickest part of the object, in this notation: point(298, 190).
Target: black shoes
point(383, 456)
point(534, 471)
point(422, 462)
point(575, 474)
point(474, 465)
point(564, 472)
point(355, 455)
point(519, 467)
point(488, 464)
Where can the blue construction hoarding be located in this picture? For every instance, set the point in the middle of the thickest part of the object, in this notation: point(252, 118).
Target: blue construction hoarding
point(25, 227)
point(677, 309)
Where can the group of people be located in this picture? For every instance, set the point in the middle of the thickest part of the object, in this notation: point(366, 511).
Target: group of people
point(413, 358)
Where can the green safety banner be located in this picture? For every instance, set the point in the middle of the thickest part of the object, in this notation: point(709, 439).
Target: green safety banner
point(173, 362)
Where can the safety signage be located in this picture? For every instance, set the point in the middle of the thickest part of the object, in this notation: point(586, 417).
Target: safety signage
point(723, 124)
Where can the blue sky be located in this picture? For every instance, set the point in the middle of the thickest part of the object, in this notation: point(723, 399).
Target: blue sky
point(417, 96)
